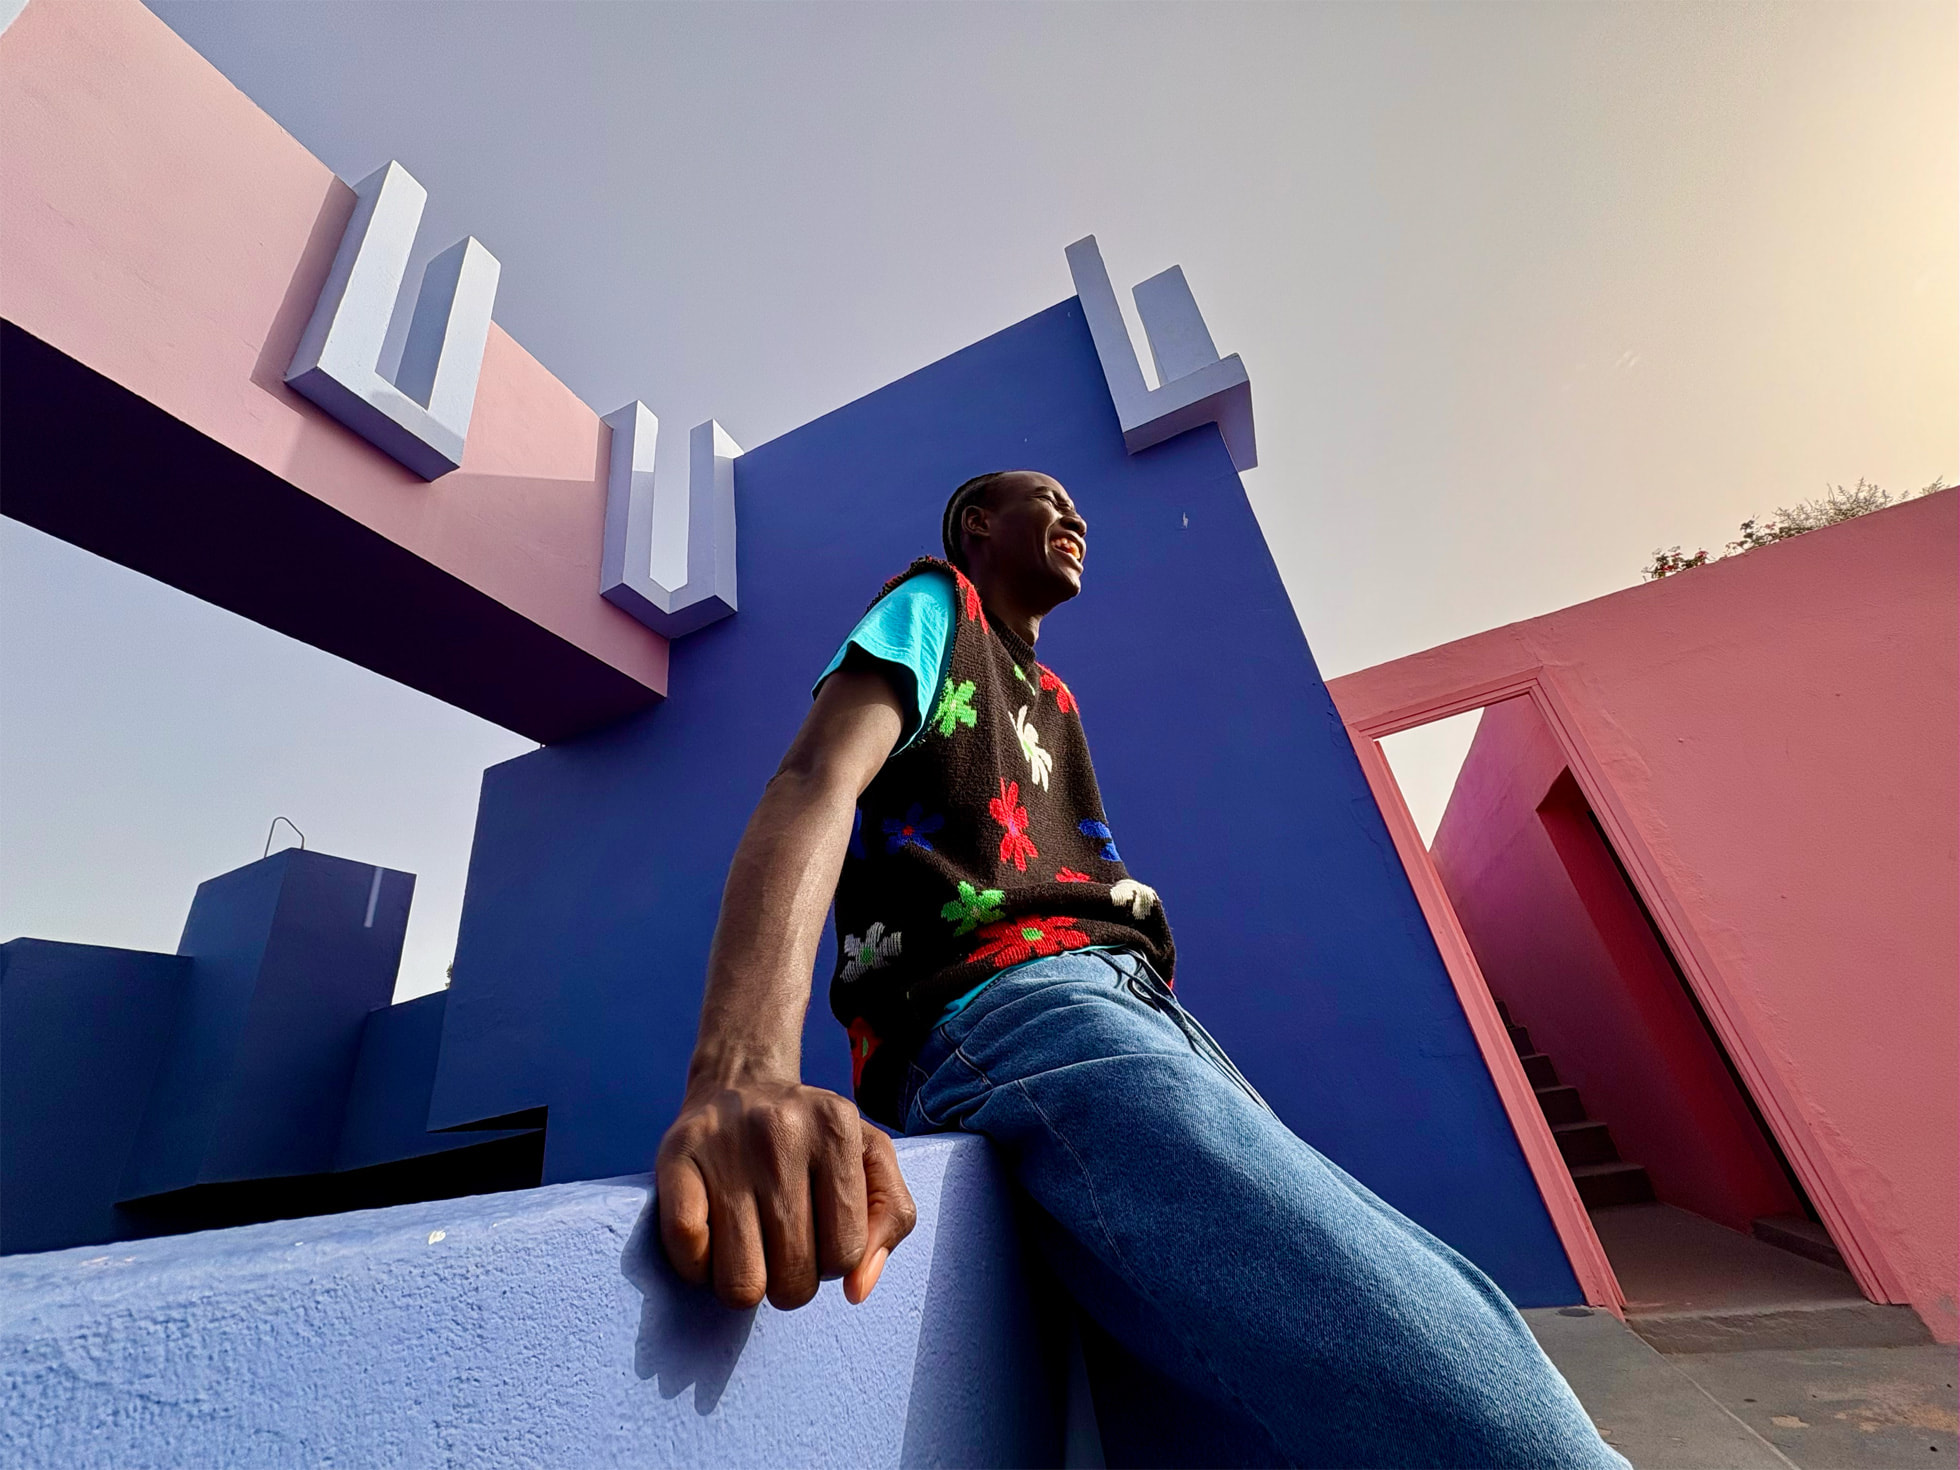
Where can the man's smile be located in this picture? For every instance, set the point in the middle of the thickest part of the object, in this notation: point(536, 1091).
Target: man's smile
point(1070, 545)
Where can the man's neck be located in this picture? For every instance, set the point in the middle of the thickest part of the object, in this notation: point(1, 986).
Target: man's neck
point(1009, 612)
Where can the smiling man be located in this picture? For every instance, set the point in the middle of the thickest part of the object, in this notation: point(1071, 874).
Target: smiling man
point(1000, 972)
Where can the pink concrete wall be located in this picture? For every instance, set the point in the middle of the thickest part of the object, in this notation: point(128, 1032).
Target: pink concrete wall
point(1771, 743)
point(160, 228)
point(1562, 941)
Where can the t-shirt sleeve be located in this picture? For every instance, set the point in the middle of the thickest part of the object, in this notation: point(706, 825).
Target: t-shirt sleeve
point(906, 634)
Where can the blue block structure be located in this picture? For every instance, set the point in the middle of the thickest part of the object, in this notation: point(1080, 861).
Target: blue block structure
point(538, 1328)
point(82, 1031)
point(387, 1111)
point(259, 1071)
point(598, 862)
point(289, 955)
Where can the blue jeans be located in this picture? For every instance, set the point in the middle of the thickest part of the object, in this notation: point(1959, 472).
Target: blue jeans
point(1247, 1301)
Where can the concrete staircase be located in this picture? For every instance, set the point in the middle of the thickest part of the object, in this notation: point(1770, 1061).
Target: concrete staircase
point(1602, 1176)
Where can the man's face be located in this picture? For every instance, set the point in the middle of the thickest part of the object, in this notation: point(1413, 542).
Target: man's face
point(1037, 539)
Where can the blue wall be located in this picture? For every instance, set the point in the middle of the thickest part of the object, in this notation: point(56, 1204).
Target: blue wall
point(82, 1030)
point(1228, 778)
point(539, 1328)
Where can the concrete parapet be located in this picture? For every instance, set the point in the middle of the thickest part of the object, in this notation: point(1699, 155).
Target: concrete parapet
point(535, 1328)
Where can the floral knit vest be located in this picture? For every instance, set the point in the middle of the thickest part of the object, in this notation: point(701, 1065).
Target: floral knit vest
point(981, 845)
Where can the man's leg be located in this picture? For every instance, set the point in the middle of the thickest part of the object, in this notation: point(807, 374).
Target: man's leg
point(1218, 1248)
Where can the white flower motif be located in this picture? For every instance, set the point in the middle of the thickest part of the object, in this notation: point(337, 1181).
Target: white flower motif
point(870, 952)
point(1040, 762)
point(1138, 898)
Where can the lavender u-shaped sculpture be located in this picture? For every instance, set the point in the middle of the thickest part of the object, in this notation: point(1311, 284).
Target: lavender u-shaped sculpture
point(626, 579)
point(423, 417)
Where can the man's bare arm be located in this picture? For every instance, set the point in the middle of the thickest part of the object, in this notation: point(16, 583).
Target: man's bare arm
point(767, 1186)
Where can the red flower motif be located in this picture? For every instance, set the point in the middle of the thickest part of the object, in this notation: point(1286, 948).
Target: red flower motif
point(1069, 875)
point(1064, 700)
point(969, 596)
point(864, 1041)
point(1013, 940)
point(1016, 846)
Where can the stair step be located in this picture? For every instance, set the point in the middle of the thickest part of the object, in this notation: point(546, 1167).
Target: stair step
point(1796, 1233)
point(1538, 1067)
point(1585, 1143)
point(1504, 1011)
point(1622, 1183)
point(1561, 1104)
point(1521, 1039)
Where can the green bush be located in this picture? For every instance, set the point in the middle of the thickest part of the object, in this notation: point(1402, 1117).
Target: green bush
point(1838, 504)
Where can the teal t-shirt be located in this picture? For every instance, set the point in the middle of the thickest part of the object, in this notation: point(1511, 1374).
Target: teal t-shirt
point(909, 630)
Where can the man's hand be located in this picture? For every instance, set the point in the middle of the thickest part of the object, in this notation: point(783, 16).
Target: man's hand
point(769, 1188)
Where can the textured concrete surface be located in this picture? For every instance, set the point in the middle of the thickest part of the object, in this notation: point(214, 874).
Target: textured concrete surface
point(539, 1328)
point(1693, 1286)
point(1648, 1410)
point(1827, 1408)
point(1845, 1408)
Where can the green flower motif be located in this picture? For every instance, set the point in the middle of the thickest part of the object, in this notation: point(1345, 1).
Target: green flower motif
point(973, 908)
point(955, 707)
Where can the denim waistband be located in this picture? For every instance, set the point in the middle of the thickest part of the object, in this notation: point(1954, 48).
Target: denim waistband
point(1140, 978)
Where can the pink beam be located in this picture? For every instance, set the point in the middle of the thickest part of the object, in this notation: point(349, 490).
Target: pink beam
point(167, 236)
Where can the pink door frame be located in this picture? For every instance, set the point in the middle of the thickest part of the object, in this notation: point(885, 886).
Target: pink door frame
point(1366, 728)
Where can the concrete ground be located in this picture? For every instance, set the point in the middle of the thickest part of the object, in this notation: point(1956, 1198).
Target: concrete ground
point(1812, 1408)
point(1736, 1354)
point(1647, 1409)
point(1839, 1406)
point(1694, 1286)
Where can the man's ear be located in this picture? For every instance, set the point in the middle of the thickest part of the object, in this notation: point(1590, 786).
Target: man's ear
point(973, 522)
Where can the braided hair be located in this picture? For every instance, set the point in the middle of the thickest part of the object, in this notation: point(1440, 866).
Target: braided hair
point(974, 492)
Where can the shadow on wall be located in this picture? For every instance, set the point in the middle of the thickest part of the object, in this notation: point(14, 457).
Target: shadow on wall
point(687, 1337)
point(993, 1329)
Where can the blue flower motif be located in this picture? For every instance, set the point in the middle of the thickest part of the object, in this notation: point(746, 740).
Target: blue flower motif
point(912, 829)
point(1099, 832)
point(857, 834)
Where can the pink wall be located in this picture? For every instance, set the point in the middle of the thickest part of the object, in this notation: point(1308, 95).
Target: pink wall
point(1771, 743)
point(1562, 941)
point(161, 229)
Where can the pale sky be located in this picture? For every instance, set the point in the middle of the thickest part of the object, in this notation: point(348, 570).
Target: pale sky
point(1524, 291)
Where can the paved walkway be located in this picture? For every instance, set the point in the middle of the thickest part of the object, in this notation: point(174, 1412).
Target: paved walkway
point(1738, 1355)
point(1812, 1408)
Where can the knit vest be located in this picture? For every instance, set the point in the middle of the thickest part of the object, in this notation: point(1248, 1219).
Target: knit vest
point(982, 844)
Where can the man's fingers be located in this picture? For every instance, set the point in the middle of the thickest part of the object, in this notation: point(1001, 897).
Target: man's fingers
point(683, 1200)
point(767, 1194)
point(740, 1270)
point(788, 1235)
point(837, 1192)
point(889, 1214)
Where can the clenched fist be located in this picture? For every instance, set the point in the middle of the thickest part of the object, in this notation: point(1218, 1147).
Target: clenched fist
point(769, 1188)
